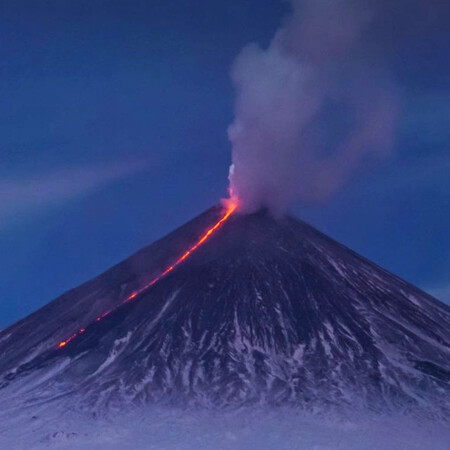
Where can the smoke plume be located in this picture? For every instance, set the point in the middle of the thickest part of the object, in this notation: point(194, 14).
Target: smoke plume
point(315, 107)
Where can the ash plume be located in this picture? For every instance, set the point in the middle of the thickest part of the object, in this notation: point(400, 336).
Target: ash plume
point(315, 107)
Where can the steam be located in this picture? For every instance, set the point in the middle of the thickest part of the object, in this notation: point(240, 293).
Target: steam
point(314, 108)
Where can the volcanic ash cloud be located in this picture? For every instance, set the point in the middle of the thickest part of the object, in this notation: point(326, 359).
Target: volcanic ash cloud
point(313, 108)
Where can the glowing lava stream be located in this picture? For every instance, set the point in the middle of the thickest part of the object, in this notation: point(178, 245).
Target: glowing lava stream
point(230, 207)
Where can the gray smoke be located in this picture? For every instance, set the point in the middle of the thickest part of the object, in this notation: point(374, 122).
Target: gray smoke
point(314, 108)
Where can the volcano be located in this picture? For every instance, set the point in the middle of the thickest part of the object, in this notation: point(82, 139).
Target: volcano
point(267, 311)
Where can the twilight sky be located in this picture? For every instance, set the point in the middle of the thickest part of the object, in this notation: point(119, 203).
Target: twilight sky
point(113, 131)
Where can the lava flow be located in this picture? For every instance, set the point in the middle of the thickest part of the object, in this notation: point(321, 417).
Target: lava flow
point(230, 207)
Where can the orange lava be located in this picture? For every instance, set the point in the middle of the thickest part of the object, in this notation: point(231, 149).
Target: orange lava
point(230, 206)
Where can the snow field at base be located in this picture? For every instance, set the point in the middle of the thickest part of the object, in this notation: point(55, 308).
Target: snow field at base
point(157, 428)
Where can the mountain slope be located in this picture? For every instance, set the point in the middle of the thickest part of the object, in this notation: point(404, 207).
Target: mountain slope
point(267, 311)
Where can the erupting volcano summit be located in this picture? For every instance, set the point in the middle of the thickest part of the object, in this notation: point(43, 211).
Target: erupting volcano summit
point(234, 309)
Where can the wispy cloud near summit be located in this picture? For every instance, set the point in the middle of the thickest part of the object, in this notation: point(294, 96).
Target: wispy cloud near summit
point(21, 196)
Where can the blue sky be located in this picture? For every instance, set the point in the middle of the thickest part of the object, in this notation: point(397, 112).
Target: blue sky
point(113, 132)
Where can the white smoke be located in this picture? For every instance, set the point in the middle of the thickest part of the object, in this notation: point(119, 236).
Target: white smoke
point(313, 108)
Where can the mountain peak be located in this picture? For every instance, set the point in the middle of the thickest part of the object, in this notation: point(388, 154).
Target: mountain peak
point(265, 310)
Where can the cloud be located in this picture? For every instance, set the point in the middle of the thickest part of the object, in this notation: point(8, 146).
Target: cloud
point(320, 103)
point(22, 196)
